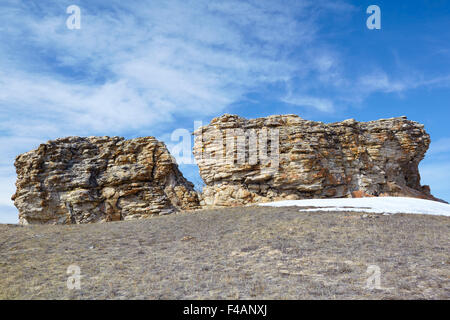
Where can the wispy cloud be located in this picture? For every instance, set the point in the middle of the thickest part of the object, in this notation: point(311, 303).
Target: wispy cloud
point(324, 105)
point(380, 81)
point(134, 68)
point(152, 59)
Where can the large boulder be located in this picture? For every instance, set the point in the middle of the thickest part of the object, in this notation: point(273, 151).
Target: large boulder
point(286, 157)
point(82, 180)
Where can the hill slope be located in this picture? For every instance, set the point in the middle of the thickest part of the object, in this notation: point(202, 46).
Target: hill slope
point(238, 253)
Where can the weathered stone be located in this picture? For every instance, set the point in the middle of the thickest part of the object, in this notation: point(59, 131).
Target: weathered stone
point(285, 157)
point(83, 180)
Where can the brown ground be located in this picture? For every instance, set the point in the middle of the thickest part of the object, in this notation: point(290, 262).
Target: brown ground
point(239, 253)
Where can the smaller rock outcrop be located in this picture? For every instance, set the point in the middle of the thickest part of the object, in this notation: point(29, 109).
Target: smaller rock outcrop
point(82, 180)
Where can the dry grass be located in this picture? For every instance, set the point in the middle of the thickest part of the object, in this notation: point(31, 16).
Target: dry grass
point(239, 253)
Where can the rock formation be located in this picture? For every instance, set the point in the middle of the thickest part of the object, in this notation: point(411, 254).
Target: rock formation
point(285, 157)
point(83, 180)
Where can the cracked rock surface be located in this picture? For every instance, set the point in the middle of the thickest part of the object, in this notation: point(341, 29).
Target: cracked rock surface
point(82, 180)
point(308, 159)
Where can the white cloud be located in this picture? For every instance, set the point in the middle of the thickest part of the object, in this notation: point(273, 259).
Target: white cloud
point(324, 105)
point(380, 81)
point(157, 59)
point(41, 106)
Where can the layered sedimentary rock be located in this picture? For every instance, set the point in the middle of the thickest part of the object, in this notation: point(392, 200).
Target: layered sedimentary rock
point(84, 180)
point(286, 157)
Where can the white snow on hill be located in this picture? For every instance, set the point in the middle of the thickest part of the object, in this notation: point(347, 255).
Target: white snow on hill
point(387, 205)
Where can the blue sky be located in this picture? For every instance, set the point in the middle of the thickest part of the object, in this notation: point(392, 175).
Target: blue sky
point(138, 68)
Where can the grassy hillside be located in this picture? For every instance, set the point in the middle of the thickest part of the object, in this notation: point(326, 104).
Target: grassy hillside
point(238, 253)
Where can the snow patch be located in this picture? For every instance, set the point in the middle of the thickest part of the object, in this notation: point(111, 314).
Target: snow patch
point(387, 205)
